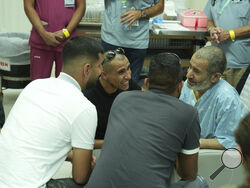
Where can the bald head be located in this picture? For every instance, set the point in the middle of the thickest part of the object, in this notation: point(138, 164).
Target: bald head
point(107, 65)
point(214, 56)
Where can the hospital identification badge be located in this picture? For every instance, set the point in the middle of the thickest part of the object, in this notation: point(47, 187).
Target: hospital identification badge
point(69, 3)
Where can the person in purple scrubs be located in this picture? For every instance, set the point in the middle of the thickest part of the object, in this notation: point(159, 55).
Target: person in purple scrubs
point(54, 22)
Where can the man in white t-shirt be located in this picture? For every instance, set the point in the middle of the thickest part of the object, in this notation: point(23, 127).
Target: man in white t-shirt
point(49, 119)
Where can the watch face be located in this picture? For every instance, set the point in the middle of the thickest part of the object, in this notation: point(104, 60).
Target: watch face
point(143, 14)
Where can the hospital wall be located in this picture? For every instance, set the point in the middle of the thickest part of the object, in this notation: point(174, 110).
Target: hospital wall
point(13, 18)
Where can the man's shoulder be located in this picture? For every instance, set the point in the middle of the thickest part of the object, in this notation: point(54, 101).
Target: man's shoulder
point(224, 90)
point(155, 96)
point(90, 92)
point(130, 97)
point(93, 95)
point(226, 99)
point(46, 84)
point(94, 92)
point(185, 108)
point(129, 94)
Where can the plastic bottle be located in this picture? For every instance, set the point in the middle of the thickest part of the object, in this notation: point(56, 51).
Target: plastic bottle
point(125, 9)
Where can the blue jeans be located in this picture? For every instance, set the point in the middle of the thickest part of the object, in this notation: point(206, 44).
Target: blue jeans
point(199, 182)
point(135, 57)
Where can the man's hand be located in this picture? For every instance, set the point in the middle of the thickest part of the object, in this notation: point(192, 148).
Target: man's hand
point(50, 38)
point(93, 162)
point(60, 35)
point(214, 34)
point(219, 35)
point(224, 35)
point(130, 17)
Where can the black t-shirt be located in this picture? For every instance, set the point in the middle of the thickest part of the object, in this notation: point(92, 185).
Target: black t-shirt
point(103, 102)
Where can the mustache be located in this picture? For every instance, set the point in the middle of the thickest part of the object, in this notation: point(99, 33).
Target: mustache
point(191, 80)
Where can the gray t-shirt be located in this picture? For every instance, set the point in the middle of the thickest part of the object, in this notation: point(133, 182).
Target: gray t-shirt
point(113, 31)
point(146, 131)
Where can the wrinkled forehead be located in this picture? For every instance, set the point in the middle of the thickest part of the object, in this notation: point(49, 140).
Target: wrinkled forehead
point(199, 63)
point(118, 64)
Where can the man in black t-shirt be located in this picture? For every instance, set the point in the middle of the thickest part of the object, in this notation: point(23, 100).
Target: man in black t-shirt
point(115, 78)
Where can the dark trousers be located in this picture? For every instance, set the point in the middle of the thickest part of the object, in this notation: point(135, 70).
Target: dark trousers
point(135, 56)
point(63, 183)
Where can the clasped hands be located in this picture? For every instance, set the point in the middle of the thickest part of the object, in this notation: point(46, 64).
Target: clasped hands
point(53, 38)
point(219, 35)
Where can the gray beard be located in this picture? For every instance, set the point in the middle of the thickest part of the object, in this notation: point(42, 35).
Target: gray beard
point(201, 86)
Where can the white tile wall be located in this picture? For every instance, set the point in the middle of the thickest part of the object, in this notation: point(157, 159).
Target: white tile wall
point(12, 17)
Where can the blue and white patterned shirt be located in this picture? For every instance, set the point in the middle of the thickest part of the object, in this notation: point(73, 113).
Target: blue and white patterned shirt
point(220, 110)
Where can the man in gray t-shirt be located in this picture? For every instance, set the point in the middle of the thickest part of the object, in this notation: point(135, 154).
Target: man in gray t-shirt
point(148, 131)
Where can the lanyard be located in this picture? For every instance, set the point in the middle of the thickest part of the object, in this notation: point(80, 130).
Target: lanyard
point(224, 6)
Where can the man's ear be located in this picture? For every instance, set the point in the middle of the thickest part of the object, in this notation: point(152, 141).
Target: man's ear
point(215, 77)
point(86, 70)
point(146, 82)
point(104, 75)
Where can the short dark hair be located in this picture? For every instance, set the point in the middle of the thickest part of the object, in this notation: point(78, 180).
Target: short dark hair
point(165, 72)
point(242, 137)
point(80, 46)
point(216, 58)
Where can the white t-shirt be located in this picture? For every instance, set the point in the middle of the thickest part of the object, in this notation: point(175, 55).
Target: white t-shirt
point(49, 118)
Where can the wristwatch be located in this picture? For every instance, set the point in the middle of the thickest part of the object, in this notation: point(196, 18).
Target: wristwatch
point(143, 14)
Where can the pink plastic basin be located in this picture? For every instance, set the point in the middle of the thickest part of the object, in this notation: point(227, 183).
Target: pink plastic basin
point(193, 18)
